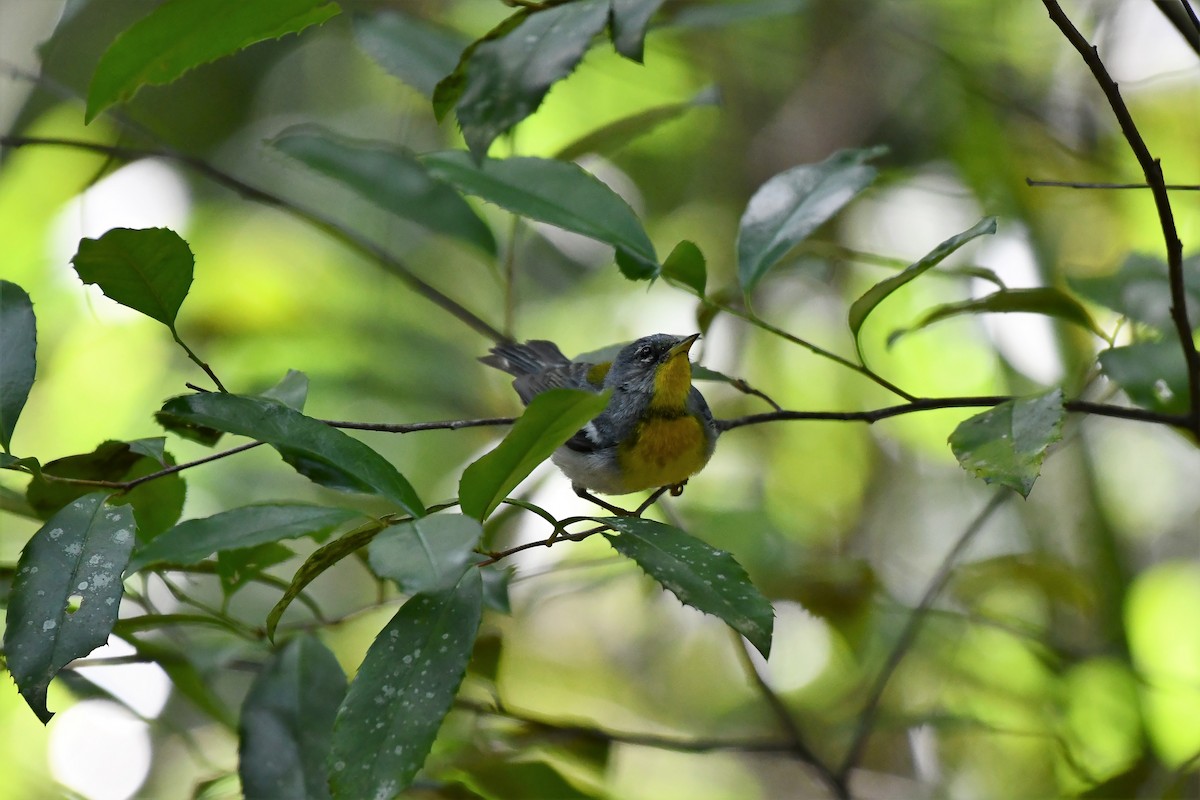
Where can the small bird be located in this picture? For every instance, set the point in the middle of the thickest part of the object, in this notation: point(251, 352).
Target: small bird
point(656, 431)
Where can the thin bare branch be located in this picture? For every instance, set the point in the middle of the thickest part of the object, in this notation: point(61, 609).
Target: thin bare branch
point(1174, 187)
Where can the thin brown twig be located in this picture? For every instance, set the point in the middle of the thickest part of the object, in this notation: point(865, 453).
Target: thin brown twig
point(1174, 187)
point(412, 427)
point(1152, 170)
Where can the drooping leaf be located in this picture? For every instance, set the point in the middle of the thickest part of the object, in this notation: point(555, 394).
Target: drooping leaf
point(392, 179)
point(1141, 290)
point(75, 559)
point(414, 50)
point(427, 554)
point(236, 568)
point(551, 418)
point(318, 451)
point(555, 192)
point(18, 356)
point(701, 576)
point(1153, 374)
point(629, 21)
point(1007, 444)
point(793, 204)
point(496, 580)
point(292, 390)
point(148, 270)
point(863, 306)
point(180, 35)
point(287, 723)
point(156, 504)
point(686, 265)
point(402, 692)
point(506, 77)
point(1046, 301)
point(615, 135)
point(196, 539)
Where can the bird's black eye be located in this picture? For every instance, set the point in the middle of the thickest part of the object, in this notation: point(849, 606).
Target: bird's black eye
point(644, 353)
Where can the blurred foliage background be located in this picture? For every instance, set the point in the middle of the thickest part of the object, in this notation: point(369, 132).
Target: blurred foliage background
point(1062, 657)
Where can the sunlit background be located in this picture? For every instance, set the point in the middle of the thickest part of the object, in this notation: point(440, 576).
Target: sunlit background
point(1064, 652)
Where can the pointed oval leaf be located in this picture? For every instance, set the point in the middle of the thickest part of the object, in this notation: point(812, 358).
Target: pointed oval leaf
point(427, 554)
point(1153, 374)
point(686, 265)
point(392, 179)
point(80, 552)
point(415, 51)
point(18, 356)
point(148, 270)
point(701, 576)
point(506, 77)
point(554, 192)
point(403, 691)
point(287, 722)
point(292, 390)
point(1141, 291)
point(630, 18)
point(551, 418)
point(180, 35)
point(321, 453)
point(196, 539)
point(793, 204)
point(863, 306)
point(1049, 302)
point(1007, 444)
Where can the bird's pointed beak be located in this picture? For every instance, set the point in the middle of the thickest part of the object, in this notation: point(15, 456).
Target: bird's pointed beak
point(683, 346)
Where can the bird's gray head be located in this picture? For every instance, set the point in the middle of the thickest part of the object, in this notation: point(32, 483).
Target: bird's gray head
point(634, 368)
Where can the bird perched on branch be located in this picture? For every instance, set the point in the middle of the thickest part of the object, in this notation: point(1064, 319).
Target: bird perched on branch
point(656, 430)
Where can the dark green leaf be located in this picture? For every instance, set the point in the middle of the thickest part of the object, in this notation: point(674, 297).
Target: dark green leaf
point(449, 89)
point(551, 418)
point(617, 134)
point(320, 452)
point(793, 204)
point(701, 576)
point(156, 504)
point(153, 447)
point(1141, 291)
point(148, 270)
point(686, 265)
point(554, 192)
point(287, 723)
point(415, 51)
point(1046, 301)
point(1153, 374)
point(506, 77)
point(863, 306)
point(18, 356)
point(1007, 444)
point(392, 179)
point(236, 568)
point(180, 35)
point(292, 390)
point(495, 587)
point(79, 553)
point(719, 15)
point(402, 692)
point(427, 554)
point(196, 539)
point(629, 21)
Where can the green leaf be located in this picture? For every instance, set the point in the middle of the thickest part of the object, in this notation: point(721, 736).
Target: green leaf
point(292, 390)
point(793, 204)
point(615, 135)
point(1046, 301)
point(180, 35)
point(427, 554)
point(319, 452)
point(415, 51)
point(506, 77)
point(18, 356)
point(551, 418)
point(287, 722)
point(555, 192)
point(196, 539)
point(236, 568)
point(1153, 374)
point(629, 21)
point(391, 178)
point(153, 447)
point(76, 557)
point(156, 504)
point(403, 691)
point(186, 678)
point(496, 580)
point(148, 270)
point(1054, 578)
point(701, 576)
point(686, 265)
point(1007, 444)
point(1141, 290)
point(863, 306)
